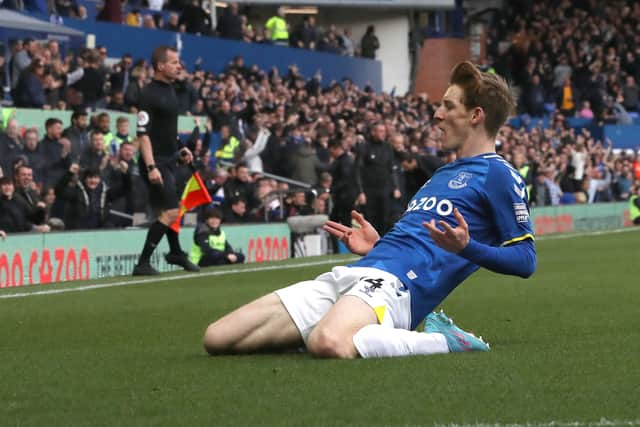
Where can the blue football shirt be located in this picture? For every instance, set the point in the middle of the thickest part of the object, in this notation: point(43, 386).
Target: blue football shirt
point(490, 195)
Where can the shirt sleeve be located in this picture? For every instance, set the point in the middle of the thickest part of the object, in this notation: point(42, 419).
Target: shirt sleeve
point(506, 192)
point(518, 259)
point(144, 117)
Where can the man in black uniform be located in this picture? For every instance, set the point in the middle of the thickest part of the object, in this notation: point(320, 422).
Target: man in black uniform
point(158, 135)
point(342, 189)
point(375, 179)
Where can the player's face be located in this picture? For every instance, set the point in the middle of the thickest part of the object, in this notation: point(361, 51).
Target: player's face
point(454, 120)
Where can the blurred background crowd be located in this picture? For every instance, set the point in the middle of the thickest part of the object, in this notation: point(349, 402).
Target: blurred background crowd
point(270, 145)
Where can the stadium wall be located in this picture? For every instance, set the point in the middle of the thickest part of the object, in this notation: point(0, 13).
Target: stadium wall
point(32, 259)
point(32, 118)
point(40, 259)
point(436, 60)
point(392, 29)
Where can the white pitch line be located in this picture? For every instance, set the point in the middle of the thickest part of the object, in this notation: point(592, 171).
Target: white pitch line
point(177, 277)
point(602, 422)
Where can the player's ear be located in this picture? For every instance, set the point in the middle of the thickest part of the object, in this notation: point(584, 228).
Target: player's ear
point(477, 116)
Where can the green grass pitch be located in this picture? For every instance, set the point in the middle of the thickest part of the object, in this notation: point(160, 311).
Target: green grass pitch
point(565, 351)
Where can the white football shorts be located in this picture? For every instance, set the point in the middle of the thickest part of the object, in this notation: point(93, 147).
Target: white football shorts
point(307, 302)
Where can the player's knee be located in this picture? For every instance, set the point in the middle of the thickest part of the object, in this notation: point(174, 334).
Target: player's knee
point(324, 343)
point(216, 342)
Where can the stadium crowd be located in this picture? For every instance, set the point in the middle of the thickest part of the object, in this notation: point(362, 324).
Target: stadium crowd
point(349, 145)
point(191, 17)
point(583, 56)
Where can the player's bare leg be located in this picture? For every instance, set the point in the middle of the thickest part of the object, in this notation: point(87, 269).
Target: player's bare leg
point(333, 336)
point(261, 325)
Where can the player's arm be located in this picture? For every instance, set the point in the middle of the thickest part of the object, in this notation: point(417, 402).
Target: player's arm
point(147, 155)
point(146, 151)
point(517, 259)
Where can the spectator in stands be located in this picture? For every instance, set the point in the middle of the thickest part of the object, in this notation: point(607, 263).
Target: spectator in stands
point(230, 24)
point(306, 35)
point(369, 43)
point(29, 91)
point(138, 81)
point(240, 186)
point(216, 186)
point(122, 133)
point(133, 18)
point(630, 94)
point(195, 19)
point(115, 178)
point(102, 124)
point(303, 160)
point(253, 150)
point(622, 182)
point(615, 113)
point(26, 194)
point(567, 98)
point(540, 192)
point(585, 111)
point(10, 145)
point(121, 74)
point(13, 217)
point(296, 204)
point(278, 29)
point(330, 41)
point(173, 23)
point(94, 156)
point(55, 150)
point(210, 245)
point(81, 13)
point(111, 12)
point(32, 154)
point(236, 211)
point(88, 200)
point(230, 147)
point(53, 212)
point(116, 102)
point(148, 22)
point(348, 46)
point(22, 57)
point(92, 81)
point(561, 73)
point(78, 134)
point(534, 98)
point(65, 8)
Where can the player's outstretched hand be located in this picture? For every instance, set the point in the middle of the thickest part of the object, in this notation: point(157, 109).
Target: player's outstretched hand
point(451, 239)
point(358, 240)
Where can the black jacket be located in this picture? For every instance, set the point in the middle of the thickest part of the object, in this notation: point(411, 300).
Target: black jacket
point(342, 171)
point(29, 199)
point(86, 209)
point(374, 167)
point(13, 218)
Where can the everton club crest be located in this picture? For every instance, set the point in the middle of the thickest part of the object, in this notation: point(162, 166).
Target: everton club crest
point(460, 180)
